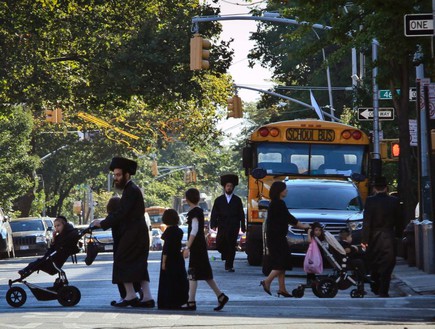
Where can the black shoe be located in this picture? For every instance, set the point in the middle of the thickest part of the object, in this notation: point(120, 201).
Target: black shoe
point(230, 269)
point(264, 288)
point(148, 304)
point(284, 294)
point(190, 306)
point(222, 300)
point(132, 302)
point(384, 295)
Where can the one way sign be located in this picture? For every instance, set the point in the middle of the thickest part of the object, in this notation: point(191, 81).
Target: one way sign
point(366, 113)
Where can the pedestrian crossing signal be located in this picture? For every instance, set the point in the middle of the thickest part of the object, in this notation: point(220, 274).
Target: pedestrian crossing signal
point(395, 150)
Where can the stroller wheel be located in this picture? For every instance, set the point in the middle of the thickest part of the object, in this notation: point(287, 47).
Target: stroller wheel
point(16, 296)
point(68, 296)
point(298, 292)
point(355, 293)
point(326, 288)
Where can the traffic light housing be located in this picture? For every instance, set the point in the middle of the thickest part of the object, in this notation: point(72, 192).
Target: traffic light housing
point(54, 116)
point(395, 150)
point(154, 168)
point(235, 107)
point(199, 53)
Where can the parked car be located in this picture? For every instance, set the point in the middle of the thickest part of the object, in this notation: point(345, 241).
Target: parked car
point(6, 239)
point(156, 242)
point(184, 228)
point(30, 236)
point(210, 239)
point(102, 238)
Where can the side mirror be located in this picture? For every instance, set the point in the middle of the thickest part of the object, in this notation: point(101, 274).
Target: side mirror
point(263, 204)
point(259, 173)
point(50, 229)
point(358, 177)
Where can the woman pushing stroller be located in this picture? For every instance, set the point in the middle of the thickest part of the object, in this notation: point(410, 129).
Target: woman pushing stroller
point(64, 244)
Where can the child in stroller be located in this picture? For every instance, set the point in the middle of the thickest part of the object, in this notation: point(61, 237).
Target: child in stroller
point(327, 286)
point(65, 240)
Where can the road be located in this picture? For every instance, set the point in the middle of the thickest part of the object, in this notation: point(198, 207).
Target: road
point(249, 306)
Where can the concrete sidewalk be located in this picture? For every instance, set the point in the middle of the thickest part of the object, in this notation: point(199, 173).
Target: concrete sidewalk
point(413, 281)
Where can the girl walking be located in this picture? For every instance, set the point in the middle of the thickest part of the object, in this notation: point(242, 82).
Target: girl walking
point(199, 265)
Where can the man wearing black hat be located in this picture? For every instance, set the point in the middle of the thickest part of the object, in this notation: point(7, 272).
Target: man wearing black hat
point(131, 253)
point(227, 216)
point(381, 216)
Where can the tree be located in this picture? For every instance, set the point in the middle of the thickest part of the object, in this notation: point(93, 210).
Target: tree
point(125, 63)
point(17, 165)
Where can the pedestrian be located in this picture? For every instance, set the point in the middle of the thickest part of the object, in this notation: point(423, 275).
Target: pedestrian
point(196, 248)
point(277, 221)
point(131, 255)
point(113, 205)
point(227, 216)
point(173, 283)
point(382, 216)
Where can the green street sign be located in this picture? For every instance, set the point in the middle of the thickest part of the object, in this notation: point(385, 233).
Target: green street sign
point(386, 94)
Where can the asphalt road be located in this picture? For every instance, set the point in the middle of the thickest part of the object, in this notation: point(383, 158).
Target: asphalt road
point(249, 306)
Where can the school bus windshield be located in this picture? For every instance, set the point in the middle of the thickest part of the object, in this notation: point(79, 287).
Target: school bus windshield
point(310, 159)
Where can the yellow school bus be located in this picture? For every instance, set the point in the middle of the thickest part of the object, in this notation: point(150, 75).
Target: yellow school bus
point(156, 213)
point(299, 149)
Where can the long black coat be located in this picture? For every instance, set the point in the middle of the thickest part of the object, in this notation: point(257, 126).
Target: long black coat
point(131, 253)
point(228, 218)
point(381, 216)
point(277, 222)
point(173, 284)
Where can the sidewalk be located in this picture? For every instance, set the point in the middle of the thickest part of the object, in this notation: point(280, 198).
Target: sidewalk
point(413, 281)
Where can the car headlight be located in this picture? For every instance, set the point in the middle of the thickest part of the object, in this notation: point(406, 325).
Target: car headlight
point(357, 225)
point(40, 239)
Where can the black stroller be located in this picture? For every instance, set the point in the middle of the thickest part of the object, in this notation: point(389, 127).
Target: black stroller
point(61, 291)
point(341, 278)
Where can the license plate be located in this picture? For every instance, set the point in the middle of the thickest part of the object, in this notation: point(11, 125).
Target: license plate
point(108, 247)
point(24, 247)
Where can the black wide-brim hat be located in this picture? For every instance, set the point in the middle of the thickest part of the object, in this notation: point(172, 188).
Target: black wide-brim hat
point(125, 164)
point(229, 178)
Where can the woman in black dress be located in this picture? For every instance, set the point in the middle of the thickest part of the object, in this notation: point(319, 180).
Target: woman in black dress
point(278, 219)
point(173, 284)
point(199, 265)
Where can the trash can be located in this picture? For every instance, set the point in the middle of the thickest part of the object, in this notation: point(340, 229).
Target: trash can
point(418, 234)
point(409, 243)
point(428, 247)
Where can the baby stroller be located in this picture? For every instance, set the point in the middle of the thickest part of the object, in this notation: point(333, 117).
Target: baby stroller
point(61, 291)
point(341, 278)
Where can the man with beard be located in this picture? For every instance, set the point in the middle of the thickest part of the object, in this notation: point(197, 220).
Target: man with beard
point(131, 254)
point(227, 216)
point(382, 216)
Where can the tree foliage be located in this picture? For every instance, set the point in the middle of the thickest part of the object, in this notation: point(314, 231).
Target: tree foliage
point(121, 68)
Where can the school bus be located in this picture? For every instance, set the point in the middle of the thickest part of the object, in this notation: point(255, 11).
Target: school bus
point(156, 213)
point(299, 149)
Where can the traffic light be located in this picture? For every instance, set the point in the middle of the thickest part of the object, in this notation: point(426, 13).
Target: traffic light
point(154, 168)
point(54, 116)
point(384, 150)
point(188, 176)
point(235, 107)
point(199, 53)
point(395, 150)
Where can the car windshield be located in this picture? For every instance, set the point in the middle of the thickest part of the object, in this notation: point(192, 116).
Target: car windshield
point(323, 196)
point(30, 225)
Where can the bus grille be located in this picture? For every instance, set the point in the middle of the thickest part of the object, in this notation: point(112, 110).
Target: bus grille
point(334, 228)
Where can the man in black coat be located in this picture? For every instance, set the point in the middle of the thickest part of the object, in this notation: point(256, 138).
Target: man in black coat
point(227, 216)
point(128, 221)
point(381, 216)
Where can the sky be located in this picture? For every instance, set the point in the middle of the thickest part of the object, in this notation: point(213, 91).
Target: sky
point(256, 77)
